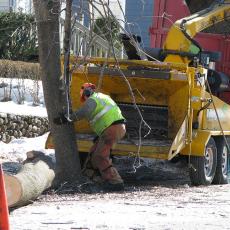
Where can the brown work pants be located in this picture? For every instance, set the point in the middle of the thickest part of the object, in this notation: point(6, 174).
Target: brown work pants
point(100, 151)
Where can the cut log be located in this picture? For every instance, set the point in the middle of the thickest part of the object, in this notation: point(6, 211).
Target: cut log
point(35, 176)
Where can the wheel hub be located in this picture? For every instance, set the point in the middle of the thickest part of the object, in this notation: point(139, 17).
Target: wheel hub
point(208, 161)
point(224, 160)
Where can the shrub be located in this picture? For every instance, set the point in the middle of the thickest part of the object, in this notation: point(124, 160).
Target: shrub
point(19, 69)
point(18, 38)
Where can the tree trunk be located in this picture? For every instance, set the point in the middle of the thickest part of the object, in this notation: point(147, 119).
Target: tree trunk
point(67, 159)
point(35, 176)
point(67, 39)
point(66, 48)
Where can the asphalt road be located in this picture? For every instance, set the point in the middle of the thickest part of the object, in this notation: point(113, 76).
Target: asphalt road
point(158, 196)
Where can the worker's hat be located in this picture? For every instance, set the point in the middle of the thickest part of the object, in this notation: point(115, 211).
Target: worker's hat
point(87, 89)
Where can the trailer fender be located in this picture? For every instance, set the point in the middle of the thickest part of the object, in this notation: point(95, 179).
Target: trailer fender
point(198, 144)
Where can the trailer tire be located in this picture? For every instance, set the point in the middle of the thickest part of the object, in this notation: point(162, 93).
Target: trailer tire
point(221, 175)
point(202, 169)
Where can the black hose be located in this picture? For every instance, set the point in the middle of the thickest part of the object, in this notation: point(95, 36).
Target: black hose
point(198, 14)
point(182, 27)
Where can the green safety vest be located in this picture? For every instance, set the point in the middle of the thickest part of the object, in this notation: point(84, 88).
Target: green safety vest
point(105, 113)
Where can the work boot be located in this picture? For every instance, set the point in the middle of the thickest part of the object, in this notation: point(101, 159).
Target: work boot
point(93, 174)
point(90, 172)
point(112, 179)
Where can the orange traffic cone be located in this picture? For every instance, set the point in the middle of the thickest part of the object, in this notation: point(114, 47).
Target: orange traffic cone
point(4, 213)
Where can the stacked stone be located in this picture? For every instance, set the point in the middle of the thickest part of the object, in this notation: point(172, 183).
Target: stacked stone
point(17, 126)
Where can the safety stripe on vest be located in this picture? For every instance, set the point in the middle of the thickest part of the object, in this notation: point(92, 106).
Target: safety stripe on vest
point(100, 114)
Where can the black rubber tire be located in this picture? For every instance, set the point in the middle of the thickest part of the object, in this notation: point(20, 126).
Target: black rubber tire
point(221, 175)
point(197, 170)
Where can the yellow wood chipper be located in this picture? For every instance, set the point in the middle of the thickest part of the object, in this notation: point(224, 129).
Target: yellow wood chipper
point(169, 101)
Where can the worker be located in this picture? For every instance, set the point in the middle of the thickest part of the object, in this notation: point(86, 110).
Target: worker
point(107, 121)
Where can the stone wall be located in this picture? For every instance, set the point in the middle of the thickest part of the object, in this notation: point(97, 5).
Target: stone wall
point(17, 126)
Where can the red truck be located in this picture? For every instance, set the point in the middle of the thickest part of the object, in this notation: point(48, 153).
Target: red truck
point(166, 12)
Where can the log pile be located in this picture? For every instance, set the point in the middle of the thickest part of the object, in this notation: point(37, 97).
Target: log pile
point(36, 175)
point(16, 126)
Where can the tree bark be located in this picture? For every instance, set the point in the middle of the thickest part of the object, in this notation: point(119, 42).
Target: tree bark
point(67, 158)
point(66, 48)
point(67, 38)
point(36, 175)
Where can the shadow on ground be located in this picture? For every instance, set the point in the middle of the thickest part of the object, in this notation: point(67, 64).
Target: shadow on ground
point(148, 174)
point(142, 174)
point(153, 172)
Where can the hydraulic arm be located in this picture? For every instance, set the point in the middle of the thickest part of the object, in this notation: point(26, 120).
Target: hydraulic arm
point(179, 44)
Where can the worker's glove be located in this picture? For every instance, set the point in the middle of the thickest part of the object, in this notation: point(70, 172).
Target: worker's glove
point(61, 119)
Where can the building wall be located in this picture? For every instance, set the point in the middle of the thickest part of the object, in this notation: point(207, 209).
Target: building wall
point(5, 5)
point(139, 17)
point(80, 8)
point(24, 6)
point(81, 36)
point(114, 7)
